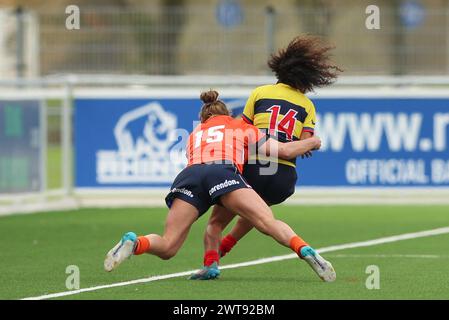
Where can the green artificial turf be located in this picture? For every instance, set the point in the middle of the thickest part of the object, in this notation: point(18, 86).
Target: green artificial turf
point(36, 250)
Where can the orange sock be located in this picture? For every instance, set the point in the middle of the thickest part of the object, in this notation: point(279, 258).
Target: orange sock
point(142, 246)
point(296, 243)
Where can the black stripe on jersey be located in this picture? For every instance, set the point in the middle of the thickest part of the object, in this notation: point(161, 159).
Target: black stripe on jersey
point(246, 119)
point(307, 129)
point(262, 105)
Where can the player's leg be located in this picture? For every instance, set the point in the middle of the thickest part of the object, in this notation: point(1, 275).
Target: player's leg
point(177, 226)
point(180, 218)
point(219, 179)
point(250, 206)
point(218, 221)
point(273, 189)
point(238, 231)
point(258, 182)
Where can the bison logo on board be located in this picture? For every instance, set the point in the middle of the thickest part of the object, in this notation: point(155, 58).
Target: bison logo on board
point(148, 148)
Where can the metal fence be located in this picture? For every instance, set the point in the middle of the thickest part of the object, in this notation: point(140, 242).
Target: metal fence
point(215, 40)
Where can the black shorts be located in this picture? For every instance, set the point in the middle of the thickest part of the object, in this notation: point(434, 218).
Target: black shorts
point(202, 185)
point(274, 188)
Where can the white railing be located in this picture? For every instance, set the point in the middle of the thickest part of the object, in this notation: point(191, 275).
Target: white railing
point(207, 80)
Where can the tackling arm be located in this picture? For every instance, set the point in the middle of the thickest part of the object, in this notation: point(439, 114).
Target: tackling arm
point(290, 150)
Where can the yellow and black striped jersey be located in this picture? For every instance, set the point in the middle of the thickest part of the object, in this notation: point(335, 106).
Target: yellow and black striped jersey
point(282, 112)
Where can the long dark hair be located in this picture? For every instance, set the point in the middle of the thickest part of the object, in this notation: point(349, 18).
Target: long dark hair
point(305, 64)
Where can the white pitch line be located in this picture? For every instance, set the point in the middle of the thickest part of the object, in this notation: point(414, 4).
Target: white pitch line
point(401, 256)
point(368, 243)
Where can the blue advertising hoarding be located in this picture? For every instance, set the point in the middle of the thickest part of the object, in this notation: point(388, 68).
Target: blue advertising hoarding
point(367, 142)
point(127, 142)
point(380, 142)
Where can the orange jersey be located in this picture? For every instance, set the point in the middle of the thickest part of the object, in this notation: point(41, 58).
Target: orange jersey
point(222, 138)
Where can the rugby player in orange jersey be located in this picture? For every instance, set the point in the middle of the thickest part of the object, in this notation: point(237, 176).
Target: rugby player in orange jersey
point(284, 113)
point(216, 152)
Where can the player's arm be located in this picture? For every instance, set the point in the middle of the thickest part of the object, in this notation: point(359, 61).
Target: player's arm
point(289, 150)
point(268, 146)
point(308, 129)
point(306, 135)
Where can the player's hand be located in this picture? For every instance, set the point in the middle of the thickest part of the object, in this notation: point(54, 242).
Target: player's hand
point(317, 141)
point(308, 154)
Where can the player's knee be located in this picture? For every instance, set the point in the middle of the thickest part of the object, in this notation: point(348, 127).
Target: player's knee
point(167, 255)
point(169, 252)
point(214, 229)
point(217, 223)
